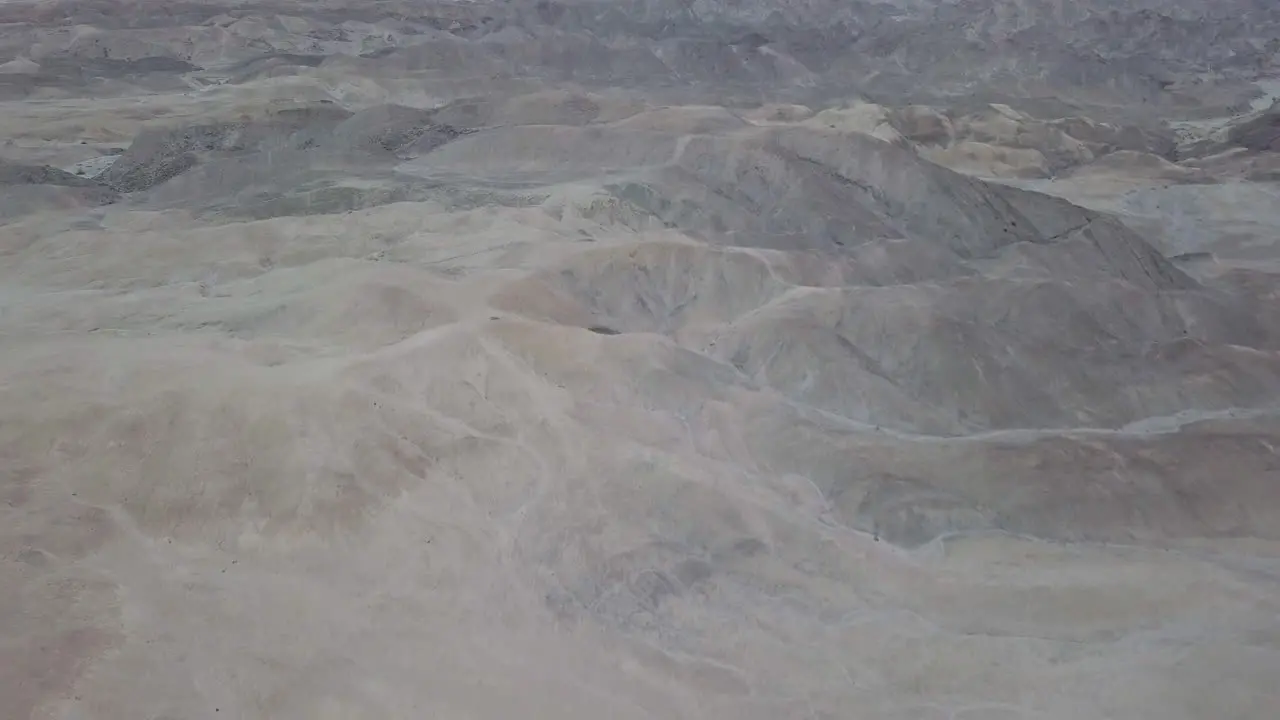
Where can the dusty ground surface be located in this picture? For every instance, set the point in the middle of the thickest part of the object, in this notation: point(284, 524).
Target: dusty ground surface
point(639, 360)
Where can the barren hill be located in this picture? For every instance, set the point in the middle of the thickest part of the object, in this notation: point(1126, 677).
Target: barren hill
point(646, 359)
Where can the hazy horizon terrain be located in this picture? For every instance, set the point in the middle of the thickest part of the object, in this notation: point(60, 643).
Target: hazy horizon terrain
point(665, 359)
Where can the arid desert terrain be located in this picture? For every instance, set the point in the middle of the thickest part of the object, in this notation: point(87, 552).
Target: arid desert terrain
point(648, 359)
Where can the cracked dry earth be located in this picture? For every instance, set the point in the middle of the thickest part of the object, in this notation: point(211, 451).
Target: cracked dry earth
point(639, 360)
